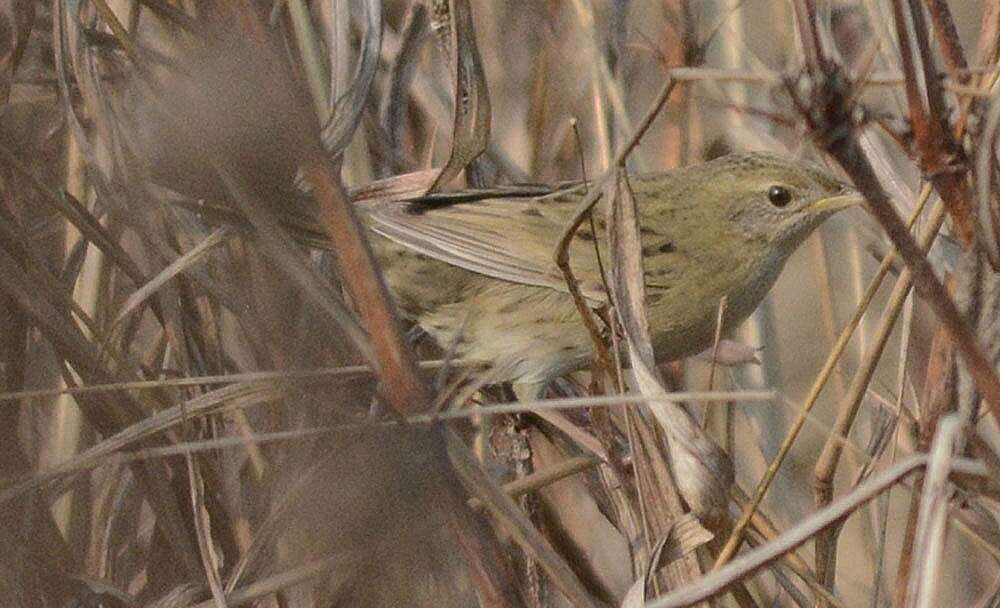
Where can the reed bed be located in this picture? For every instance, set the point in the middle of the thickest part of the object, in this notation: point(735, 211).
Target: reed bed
point(208, 398)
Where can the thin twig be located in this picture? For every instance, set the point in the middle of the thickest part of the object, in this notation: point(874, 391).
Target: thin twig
point(719, 580)
point(829, 459)
point(732, 545)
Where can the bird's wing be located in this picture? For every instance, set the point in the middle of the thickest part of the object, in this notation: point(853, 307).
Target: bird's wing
point(506, 238)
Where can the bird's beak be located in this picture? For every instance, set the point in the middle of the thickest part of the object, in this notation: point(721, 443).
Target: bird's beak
point(848, 198)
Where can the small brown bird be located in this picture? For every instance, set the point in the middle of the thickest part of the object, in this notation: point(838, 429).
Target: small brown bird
point(480, 275)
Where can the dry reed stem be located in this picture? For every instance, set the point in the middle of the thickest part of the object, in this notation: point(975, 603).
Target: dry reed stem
point(719, 580)
point(941, 366)
point(732, 545)
point(405, 391)
point(203, 532)
point(37, 294)
point(516, 522)
point(938, 149)
point(852, 160)
point(539, 479)
point(309, 51)
point(703, 487)
point(272, 584)
point(689, 443)
point(826, 465)
point(239, 397)
point(768, 532)
point(935, 496)
point(425, 103)
point(834, 130)
point(471, 131)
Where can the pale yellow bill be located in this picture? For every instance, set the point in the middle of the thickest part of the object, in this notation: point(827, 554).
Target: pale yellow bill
point(835, 203)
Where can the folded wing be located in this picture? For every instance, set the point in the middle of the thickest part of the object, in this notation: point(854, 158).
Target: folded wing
point(505, 238)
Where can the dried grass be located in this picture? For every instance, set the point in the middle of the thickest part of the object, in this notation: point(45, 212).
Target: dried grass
point(207, 398)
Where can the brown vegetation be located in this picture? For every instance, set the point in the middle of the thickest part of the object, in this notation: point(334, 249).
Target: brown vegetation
point(203, 406)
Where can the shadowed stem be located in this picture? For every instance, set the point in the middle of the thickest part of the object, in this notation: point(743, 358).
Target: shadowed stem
point(735, 537)
point(826, 466)
point(849, 155)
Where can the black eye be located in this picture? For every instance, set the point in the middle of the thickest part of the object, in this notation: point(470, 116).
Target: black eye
point(779, 196)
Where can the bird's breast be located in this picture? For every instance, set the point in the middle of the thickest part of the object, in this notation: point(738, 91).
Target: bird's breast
point(684, 314)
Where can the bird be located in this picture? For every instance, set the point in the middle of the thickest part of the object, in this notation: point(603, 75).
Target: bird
point(478, 273)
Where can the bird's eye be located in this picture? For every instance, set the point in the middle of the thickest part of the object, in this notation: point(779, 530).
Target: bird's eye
point(779, 196)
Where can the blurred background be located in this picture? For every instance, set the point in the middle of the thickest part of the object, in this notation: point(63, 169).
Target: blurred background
point(229, 444)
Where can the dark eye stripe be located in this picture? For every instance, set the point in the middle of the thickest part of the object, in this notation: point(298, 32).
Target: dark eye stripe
point(779, 196)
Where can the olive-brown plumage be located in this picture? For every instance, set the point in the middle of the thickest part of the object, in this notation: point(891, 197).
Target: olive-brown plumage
point(480, 275)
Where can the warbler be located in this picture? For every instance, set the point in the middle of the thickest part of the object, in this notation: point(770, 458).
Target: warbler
point(480, 276)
